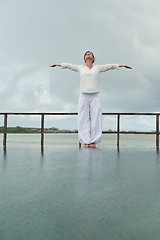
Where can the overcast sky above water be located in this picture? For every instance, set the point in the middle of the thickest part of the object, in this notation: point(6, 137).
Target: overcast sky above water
point(35, 34)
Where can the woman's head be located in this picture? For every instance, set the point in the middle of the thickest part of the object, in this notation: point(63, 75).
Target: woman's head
point(90, 55)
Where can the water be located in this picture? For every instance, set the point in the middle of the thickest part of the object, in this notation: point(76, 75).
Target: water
point(65, 193)
point(67, 140)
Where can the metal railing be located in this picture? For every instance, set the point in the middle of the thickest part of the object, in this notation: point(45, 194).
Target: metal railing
point(117, 132)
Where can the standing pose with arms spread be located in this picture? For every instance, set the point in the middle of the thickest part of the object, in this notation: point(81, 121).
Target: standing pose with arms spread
point(89, 106)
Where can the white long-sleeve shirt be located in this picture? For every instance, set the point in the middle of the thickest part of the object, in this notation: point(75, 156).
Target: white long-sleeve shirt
point(89, 78)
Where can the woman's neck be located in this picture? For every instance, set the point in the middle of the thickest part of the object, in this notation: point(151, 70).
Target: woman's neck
point(89, 64)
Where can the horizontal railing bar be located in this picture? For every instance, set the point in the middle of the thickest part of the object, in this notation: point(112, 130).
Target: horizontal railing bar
point(74, 113)
point(123, 132)
point(75, 131)
point(149, 114)
point(70, 132)
point(29, 113)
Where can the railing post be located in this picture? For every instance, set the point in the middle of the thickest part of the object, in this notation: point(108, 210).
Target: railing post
point(157, 131)
point(42, 130)
point(118, 129)
point(5, 130)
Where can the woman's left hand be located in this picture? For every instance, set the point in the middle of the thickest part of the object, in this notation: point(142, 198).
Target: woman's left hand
point(124, 65)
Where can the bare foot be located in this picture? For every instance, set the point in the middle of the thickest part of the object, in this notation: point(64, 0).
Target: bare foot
point(92, 145)
point(86, 145)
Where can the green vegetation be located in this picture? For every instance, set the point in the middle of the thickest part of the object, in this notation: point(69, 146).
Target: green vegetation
point(19, 129)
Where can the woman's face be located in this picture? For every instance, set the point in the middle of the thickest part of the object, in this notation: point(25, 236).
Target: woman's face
point(89, 55)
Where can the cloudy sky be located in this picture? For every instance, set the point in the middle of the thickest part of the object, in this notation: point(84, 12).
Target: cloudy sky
point(37, 33)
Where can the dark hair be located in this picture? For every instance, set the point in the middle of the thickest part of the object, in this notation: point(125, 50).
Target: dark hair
point(92, 55)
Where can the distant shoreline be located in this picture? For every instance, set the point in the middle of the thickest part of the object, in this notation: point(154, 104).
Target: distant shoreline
point(29, 130)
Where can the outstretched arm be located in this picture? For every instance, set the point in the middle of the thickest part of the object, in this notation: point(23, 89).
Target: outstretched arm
point(106, 67)
point(124, 65)
point(55, 65)
point(68, 66)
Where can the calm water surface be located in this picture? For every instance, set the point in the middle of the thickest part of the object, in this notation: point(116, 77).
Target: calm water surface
point(65, 193)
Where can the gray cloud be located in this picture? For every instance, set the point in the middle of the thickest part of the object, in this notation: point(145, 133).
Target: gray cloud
point(35, 34)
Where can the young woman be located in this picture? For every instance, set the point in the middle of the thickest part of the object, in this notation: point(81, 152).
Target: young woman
point(89, 106)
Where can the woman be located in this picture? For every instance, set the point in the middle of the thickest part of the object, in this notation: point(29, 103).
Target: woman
point(89, 106)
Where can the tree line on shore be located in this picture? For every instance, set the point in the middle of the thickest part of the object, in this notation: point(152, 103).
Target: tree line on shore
point(19, 129)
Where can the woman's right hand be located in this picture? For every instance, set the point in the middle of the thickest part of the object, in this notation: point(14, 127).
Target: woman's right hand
point(55, 65)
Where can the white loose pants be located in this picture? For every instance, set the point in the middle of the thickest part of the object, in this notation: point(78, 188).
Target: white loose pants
point(89, 118)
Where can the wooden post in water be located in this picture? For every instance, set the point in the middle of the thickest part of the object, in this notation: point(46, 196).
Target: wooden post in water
point(118, 129)
point(42, 130)
point(5, 130)
point(157, 131)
